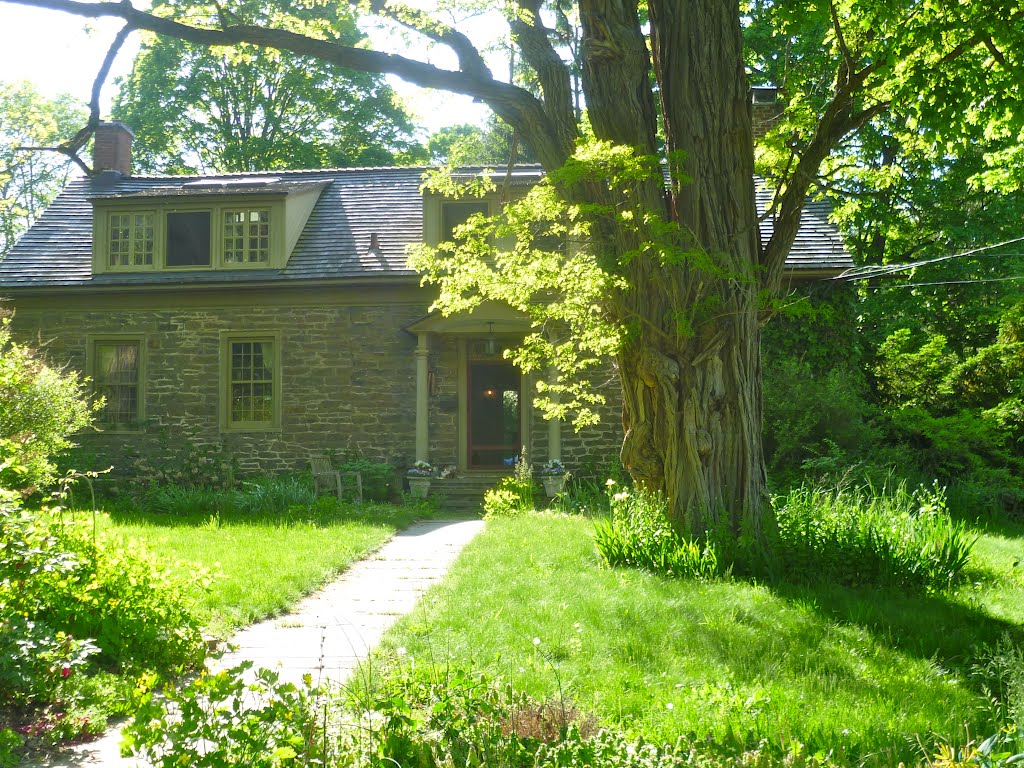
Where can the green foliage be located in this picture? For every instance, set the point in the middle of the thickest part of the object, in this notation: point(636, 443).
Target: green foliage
point(638, 535)
point(198, 109)
point(40, 409)
point(858, 536)
point(540, 256)
point(29, 181)
point(10, 745)
point(808, 416)
point(999, 667)
point(273, 495)
point(960, 413)
point(186, 500)
point(514, 494)
point(905, 376)
point(378, 477)
point(464, 145)
point(62, 582)
point(221, 718)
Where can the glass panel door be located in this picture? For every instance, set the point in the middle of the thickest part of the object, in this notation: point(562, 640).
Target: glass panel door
point(494, 414)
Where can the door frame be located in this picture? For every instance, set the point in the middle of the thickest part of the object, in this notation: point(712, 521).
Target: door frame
point(525, 409)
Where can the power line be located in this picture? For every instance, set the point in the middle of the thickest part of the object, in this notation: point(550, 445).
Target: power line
point(868, 272)
point(948, 282)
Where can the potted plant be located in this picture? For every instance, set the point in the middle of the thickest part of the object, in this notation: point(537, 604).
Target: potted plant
point(419, 475)
point(553, 475)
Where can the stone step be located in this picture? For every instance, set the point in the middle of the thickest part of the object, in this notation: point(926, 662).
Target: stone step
point(464, 493)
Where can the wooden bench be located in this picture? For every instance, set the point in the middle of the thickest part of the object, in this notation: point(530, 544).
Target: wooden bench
point(332, 480)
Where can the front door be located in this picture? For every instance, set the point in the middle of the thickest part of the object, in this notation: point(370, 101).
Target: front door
point(494, 414)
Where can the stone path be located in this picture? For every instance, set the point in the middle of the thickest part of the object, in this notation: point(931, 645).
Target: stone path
point(328, 633)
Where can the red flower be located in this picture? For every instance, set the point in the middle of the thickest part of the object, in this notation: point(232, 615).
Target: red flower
point(65, 671)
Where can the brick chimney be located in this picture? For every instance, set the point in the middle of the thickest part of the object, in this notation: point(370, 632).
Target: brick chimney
point(767, 108)
point(112, 148)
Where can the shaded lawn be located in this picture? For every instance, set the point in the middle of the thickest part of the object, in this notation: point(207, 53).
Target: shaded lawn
point(861, 672)
point(260, 564)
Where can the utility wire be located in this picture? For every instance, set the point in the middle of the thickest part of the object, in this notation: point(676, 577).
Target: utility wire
point(868, 272)
point(947, 282)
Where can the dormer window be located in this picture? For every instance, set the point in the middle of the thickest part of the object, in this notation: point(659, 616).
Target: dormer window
point(247, 236)
point(131, 239)
point(191, 236)
point(188, 239)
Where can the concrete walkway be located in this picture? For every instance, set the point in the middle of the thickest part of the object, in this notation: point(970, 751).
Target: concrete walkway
point(328, 633)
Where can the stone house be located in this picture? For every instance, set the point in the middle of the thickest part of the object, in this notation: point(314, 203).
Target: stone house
point(272, 316)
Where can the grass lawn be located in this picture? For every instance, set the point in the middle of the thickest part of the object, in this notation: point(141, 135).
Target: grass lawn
point(862, 672)
point(260, 564)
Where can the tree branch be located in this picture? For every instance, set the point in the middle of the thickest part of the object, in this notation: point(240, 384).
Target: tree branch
point(514, 105)
point(553, 74)
point(470, 60)
point(73, 146)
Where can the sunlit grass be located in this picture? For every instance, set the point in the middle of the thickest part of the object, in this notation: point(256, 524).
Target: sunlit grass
point(259, 564)
point(866, 674)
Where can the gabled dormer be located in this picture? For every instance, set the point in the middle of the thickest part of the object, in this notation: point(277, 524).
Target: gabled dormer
point(235, 222)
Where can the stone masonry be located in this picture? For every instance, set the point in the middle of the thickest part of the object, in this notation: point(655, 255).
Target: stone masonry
point(347, 383)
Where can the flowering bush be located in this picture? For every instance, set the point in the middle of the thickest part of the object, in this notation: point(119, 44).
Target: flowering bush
point(420, 469)
point(553, 468)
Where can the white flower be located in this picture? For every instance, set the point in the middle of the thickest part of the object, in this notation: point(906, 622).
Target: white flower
point(670, 705)
point(536, 641)
point(609, 482)
point(401, 650)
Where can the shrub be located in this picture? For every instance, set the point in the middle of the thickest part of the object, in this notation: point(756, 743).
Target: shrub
point(639, 535)
point(67, 587)
point(857, 536)
point(220, 719)
point(40, 408)
point(808, 415)
point(514, 494)
point(186, 500)
point(378, 478)
point(273, 495)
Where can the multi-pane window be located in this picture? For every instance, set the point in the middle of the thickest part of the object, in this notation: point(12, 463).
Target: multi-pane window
point(131, 239)
point(251, 382)
point(116, 376)
point(246, 237)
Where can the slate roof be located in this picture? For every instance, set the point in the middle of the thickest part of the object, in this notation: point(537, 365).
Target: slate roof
point(335, 244)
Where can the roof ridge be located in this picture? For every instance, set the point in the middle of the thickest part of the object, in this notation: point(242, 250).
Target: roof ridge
point(298, 171)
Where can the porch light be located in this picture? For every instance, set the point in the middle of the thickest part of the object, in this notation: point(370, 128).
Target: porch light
point(491, 343)
point(490, 392)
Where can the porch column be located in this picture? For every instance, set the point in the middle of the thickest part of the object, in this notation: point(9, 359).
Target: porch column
point(422, 398)
point(554, 425)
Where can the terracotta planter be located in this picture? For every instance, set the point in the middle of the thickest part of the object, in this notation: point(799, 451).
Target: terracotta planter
point(419, 486)
point(553, 484)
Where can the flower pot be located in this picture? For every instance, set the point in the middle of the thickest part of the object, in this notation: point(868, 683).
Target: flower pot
point(553, 484)
point(419, 486)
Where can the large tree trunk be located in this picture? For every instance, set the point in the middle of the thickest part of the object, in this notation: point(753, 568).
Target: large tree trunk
point(690, 368)
point(692, 415)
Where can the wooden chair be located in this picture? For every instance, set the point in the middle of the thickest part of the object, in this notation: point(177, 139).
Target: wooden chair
point(332, 480)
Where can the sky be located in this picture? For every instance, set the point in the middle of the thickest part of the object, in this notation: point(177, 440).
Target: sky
point(61, 53)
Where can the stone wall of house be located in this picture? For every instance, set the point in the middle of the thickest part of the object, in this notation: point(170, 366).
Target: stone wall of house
point(347, 381)
point(348, 385)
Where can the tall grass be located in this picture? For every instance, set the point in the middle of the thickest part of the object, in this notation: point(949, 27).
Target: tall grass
point(267, 495)
point(892, 537)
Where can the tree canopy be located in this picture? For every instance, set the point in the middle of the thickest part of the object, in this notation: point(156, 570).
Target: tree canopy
point(30, 180)
point(221, 109)
point(687, 281)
